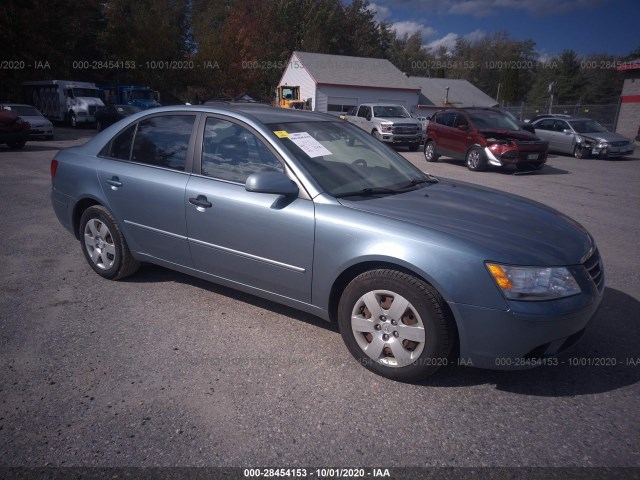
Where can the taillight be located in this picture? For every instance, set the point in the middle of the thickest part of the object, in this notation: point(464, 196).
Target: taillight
point(54, 167)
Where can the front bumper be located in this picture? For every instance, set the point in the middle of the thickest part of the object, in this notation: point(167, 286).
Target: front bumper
point(526, 333)
point(512, 157)
point(401, 139)
point(15, 136)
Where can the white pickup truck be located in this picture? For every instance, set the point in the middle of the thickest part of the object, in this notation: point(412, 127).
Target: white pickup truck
point(388, 123)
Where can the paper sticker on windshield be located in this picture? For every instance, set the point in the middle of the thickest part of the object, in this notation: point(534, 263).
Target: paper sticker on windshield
point(281, 134)
point(308, 144)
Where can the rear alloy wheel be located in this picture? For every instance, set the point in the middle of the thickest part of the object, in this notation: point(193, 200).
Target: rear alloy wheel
point(395, 325)
point(104, 246)
point(430, 154)
point(580, 152)
point(476, 159)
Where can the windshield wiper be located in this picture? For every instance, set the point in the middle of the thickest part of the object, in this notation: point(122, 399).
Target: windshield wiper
point(370, 191)
point(418, 181)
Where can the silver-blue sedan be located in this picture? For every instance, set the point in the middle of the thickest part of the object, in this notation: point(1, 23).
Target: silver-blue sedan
point(306, 210)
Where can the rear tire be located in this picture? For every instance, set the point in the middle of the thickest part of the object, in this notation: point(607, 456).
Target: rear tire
point(104, 246)
point(395, 325)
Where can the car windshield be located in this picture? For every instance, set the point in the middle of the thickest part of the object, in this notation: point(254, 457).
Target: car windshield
point(141, 95)
point(493, 121)
point(24, 111)
point(587, 126)
point(391, 111)
point(345, 161)
point(87, 92)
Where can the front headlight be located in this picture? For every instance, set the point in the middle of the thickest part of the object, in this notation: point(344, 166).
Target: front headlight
point(603, 145)
point(386, 127)
point(533, 283)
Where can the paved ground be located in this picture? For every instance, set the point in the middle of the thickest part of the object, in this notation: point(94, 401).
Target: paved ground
point(164, 369)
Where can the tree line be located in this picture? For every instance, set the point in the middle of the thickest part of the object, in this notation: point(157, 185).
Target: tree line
point(194, 50)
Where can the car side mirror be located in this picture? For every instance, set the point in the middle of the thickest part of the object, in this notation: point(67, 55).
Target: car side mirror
point(463, 127)
point(276, 183)
point(368, 118)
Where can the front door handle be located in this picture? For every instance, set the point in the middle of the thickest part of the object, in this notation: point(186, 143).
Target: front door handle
point(114, 182)
point(201, 202)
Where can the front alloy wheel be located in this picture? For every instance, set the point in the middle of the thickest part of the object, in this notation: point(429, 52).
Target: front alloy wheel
point(580, 152)
point(476, 160)
point(395, 324)
point(430, 154)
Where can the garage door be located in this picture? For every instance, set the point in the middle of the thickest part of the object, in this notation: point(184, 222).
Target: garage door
point(341, 104)
point(393, 101)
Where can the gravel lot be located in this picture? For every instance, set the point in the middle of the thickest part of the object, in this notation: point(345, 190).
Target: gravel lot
point(167, 370)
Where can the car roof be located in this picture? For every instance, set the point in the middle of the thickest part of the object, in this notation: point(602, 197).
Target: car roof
point(16, 105)
point(258, 111)
point(567, 118)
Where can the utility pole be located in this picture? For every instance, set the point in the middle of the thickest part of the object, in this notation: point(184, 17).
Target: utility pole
point(551, 85)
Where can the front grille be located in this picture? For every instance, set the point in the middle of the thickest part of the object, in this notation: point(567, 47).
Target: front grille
point(405, 128)
point(92, 109)
point(619, 144)
point(594, 266)
point(532, 143)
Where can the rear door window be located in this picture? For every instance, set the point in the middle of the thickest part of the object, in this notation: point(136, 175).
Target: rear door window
point(163, 141)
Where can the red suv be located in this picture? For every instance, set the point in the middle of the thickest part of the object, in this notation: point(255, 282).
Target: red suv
point(483, 137)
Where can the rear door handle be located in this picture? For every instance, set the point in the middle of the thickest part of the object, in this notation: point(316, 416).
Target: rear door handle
point(114, 182)
point(201, 202)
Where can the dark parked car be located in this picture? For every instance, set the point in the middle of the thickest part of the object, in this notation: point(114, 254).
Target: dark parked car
point(112, 113)
point(582, 138)
point(483, 137)
point(14, 131)
point(312, 212)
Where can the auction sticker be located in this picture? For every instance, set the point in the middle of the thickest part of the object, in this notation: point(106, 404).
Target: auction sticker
point(308, 144)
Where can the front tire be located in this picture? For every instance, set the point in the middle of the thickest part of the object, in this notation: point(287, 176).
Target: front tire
point(580, 152)
point(395, 325)
point(476, 160)
point(430, 154)
point(73, 120)
point(104, 246)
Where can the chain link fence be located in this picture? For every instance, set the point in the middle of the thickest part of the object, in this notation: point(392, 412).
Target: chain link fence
point(605, 115)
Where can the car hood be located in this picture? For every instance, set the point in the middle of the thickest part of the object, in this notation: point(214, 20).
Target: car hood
point(521, 135)
point(35, 120)
point(605, 137)
point(399, 120)
point(502, 227)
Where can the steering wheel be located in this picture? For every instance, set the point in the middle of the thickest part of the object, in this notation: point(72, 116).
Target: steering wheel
point(360, 162)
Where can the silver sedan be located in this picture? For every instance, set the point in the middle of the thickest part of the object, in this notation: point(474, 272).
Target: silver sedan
point(582, 137)
point(306, 210)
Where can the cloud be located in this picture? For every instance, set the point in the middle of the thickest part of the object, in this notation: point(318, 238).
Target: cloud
point(410, 27)
point(448, 42)
point(475, 36)
point(381, 12)
point(483, 8)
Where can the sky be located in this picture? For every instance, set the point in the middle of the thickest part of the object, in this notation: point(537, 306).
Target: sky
point(585, 26)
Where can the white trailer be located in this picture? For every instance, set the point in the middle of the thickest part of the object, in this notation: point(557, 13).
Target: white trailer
point(64, 100)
